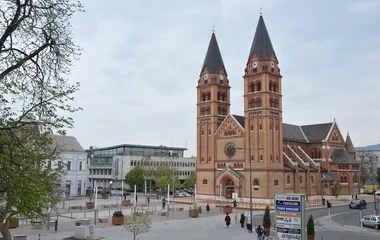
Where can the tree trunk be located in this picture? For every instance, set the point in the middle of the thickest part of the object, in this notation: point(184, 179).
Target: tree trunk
point(5, 232)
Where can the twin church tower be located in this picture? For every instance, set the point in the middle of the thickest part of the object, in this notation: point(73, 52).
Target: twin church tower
point(230, 146)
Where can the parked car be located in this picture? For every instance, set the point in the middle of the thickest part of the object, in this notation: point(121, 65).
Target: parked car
point(116, 193)
point(377, 192)
point(370, 221)
point(358, 204)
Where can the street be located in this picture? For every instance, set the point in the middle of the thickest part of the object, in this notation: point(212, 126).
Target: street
point(344, 225)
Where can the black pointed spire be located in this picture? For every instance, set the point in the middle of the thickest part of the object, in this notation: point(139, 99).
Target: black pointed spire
point(261, 44)
point(213, 60)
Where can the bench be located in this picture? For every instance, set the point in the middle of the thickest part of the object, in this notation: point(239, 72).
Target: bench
point(19, 237)
point(36, 224)
point(103, 219)
point(85, 222)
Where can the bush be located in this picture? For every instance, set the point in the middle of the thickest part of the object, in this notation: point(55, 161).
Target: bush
point(266, 220)
point(310, 226)
point(118, 214)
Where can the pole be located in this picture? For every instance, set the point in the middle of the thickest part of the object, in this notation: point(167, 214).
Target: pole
point(250, 185)
point(95, 201)
point(373, 186)
point(173, 186)
point(220, 197)
point(361, 223)
point(48, 217)
point(145, 188)
point(168, 200)
point(195, 196)
point(134, 199)
point(122, 189)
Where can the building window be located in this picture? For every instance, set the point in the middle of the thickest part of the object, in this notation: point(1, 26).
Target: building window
point(203, 133)
point(355, 179)
point(261, 127)
point(312, 179)
point(204, 181)
point(256, 182)
point(300, 179)
point(209, 132)
point(288, 179)
point(261, 158)
point(343, 178)
point(203, 160)
point(251, 128)
point(252, 159)
point(258, 86)
point(271, 157)
point(80, 166)
point(276, 183)
point(270, 127)
point(277, 158)
point(68, 165)
point(209, 159)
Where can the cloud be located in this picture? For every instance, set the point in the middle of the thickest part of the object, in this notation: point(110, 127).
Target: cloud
point(141, 63)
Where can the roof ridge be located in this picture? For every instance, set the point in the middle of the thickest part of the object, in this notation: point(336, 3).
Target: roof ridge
point(307, 140)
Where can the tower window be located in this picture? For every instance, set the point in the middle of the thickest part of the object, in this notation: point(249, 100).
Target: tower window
point(209, 159)
point(203, 160)
point(203, 98)
point(252, 87)
point(251, 103)
point(258, 86)
point(277, 158)
point(276, 128)
point(219, 96)
point(203, 133)
point(261, 158)
point(270, 127)
point(251, 128)
point(276, 183)
point(275, 87)
point(271, 86)
point(209, 132)
point(221, 81)
point(261, 127)
point(223, 97)
point(271, 102)
point(252, 159)
point(206, 81)
point(288, 179)
point(208, 95)
point(259, 103)
point(271, 157)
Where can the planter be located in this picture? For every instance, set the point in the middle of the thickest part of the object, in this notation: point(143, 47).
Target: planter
point(267, 232)
point(119, 220)
point(126, 203)
point(90, 205)
point(193, 213)
point(227, 210)
point(13, 223)
point(310, 237)
point(104, 196)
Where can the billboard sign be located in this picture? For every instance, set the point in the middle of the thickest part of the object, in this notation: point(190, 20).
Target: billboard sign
point(290, 216)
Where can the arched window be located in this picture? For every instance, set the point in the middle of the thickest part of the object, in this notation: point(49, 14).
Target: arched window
point(203, 98)
point(251, 103)
point(300, 179)
point(252, 87)
point(271, 86)
point(271, 102)
point(276, 103)
point(259, 102)
point(219, 96)
point(208, 111)
point(223, 97)
point(256, 182)
point(225, 111)
point(288, 179)
point(275, 87)
point(343, 178)
point(258, 86)
point(355, 178)
point(312, 179)
point(275, 183)
point(202, 111)
point(208, 96)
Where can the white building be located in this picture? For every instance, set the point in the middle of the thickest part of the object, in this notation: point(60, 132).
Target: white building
point(369, 158)
point(74, 158)
point(111, 164)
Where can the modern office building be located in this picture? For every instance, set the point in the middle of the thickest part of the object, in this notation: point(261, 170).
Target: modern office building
point(74, 159)
point(109, 165)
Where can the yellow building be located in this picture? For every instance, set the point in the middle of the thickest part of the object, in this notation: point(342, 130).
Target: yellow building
point(285, 158)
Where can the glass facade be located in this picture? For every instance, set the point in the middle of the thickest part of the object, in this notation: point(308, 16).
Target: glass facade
point(103, 156)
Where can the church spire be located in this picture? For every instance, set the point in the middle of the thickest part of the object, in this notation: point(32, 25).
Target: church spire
point(262, 45)
point(213, 60)
point(349, 146)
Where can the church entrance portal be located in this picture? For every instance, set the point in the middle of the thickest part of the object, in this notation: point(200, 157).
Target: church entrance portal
point(229, 188)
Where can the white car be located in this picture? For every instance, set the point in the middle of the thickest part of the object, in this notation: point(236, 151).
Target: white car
point(370, 221)
point(377, 192)
point(361, 190)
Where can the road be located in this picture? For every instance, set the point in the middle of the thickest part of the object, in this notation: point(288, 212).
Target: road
point(345, 216)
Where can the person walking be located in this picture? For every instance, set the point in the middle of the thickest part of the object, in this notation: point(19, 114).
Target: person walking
point(242, 219)
point(227, 219)
point(208, 208)
point(260, 233)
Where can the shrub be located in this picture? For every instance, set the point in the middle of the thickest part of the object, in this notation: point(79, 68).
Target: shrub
point(118, 214)
point(310, 226)
point(266, 220)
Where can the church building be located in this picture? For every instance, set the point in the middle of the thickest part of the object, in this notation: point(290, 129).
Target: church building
point(257, 150)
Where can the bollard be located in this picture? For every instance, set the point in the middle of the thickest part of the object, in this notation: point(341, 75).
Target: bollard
point(109, 212)
point(56, 225)
point(85, 213)
point(71, 215)
point(39, 236)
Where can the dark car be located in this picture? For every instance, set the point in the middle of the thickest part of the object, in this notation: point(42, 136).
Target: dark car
point(358, 204)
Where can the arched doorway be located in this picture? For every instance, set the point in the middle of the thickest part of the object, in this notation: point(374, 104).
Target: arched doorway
point(229, 187)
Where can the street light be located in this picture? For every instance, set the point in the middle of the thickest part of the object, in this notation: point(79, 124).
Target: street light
point(110, 188)
point(373, 184)
point(250, 178)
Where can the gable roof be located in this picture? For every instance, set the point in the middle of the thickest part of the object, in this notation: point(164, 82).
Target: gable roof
point(66, 143)
point(239, 119)
point(317, 132)
point(349, 146)
point(213, 60)
point(293, 133)
point(340, 155)
point(261, 45)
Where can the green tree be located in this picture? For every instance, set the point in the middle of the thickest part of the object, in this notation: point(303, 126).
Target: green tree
point(310, 226)
point(137, 223)
point(190, 180)
point(36, 52)
point(266, 219)
point(135, 177)
point(162, 182)
point(169, 173)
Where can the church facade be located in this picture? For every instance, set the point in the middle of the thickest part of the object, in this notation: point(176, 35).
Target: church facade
point(257, 150)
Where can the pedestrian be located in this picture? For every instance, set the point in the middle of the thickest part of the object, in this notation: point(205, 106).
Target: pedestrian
point(208, 208)
point(148, 200)
point(260, 233)
point(163, 203)
point(227, 219)
point(136, 198)
point(242, 219)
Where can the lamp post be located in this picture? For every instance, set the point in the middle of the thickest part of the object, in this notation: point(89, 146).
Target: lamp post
point(250, 178)
point(373, 184)
point(110, 188)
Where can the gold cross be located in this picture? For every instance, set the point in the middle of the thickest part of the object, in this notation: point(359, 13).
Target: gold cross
point(261, 10)
point(213, 28)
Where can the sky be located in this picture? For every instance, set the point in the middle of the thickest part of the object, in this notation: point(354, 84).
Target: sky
point(141, 61)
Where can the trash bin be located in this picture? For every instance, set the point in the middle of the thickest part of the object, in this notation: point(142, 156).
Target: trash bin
point(199, 209)
point(77, 223)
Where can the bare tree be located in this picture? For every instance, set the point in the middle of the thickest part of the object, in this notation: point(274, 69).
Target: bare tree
point(367, 167)
point(137, 223)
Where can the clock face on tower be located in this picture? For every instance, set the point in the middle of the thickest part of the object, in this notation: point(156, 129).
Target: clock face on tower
point(230, 150)
point(254, 64)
